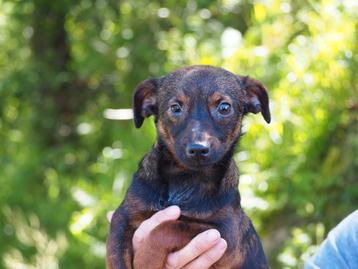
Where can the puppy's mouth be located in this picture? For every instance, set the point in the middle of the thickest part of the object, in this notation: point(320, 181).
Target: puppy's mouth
point(197, 164)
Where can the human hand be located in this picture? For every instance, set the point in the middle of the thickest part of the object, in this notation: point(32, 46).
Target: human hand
point(200, 253)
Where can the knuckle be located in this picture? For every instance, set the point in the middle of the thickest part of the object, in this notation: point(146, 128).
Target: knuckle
point(136, 240)
point(198, 246)
point(137, 236)
point(156, 218)
point(210, 258)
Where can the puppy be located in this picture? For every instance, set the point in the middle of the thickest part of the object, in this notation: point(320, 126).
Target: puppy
point(198, 112)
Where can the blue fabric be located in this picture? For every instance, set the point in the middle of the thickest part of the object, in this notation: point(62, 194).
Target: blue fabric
point(340, 248)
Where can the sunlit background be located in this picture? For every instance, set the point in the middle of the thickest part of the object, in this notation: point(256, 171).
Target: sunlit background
point(66, 67)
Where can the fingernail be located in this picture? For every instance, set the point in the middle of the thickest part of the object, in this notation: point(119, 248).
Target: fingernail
point(222, 244)
point(173, 210)
point(212, 235)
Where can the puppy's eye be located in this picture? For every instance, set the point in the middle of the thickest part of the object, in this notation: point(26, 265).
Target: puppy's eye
point(224, 108)
point(176, 109)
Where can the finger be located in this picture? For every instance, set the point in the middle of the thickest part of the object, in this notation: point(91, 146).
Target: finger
point(200, 243)
point(110, 215)
point(170, 213)
point(209, 257)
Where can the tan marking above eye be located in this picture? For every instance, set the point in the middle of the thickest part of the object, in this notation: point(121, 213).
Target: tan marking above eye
point(181, 98)
point(216, 98)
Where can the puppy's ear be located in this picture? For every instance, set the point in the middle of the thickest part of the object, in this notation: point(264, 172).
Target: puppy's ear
point(145, 101)
point(256, 97)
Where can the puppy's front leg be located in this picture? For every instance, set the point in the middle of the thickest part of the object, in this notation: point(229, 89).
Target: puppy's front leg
point(119, 242)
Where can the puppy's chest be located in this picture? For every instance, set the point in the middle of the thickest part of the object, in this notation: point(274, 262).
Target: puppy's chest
point(181, 195)
point(194, 198)
point(177, 194)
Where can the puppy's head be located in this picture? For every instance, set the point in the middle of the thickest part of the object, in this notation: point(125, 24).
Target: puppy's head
point(198, 111)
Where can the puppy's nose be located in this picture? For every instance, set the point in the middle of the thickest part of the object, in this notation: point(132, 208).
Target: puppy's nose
point(197, 150)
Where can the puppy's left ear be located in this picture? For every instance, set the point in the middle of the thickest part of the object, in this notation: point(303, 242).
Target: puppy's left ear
point(145, 101)
point(256, 97)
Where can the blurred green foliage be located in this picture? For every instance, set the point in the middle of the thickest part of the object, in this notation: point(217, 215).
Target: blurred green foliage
point(63, 165)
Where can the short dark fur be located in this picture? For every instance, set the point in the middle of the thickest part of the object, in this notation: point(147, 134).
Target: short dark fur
point(191, 166)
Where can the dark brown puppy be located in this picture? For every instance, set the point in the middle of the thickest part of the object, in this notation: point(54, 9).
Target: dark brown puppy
point(198, 112)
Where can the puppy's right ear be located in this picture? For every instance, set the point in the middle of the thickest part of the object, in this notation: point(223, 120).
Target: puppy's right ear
point(145, 101)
